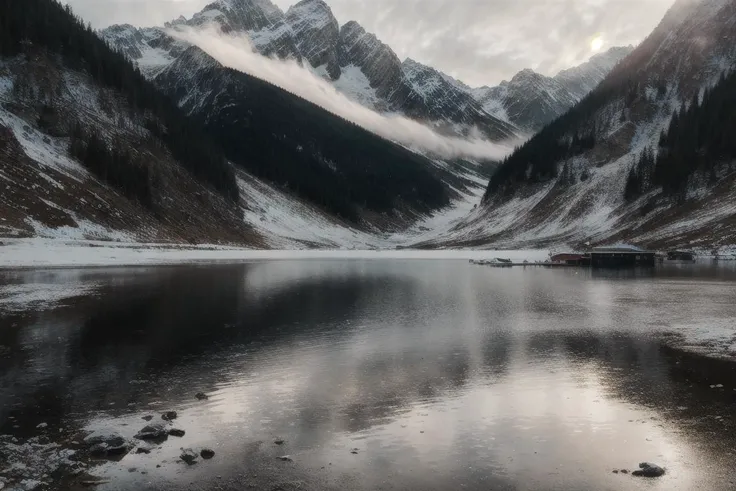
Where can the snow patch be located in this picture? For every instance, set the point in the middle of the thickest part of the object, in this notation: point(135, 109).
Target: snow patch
point(40, 296)
point(85, 230)
point(354, 84)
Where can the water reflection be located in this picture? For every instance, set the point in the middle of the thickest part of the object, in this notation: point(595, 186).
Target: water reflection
point(442, 374)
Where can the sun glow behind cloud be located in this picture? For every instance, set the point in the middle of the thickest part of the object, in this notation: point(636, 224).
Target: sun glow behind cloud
point(596, 44)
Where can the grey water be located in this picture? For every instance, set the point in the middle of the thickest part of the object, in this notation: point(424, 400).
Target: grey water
point(380, 374)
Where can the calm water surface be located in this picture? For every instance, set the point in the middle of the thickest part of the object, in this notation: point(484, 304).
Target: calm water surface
point(441, 374)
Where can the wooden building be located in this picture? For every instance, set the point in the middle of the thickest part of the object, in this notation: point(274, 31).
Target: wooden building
point(622, 256)
point(570, 258)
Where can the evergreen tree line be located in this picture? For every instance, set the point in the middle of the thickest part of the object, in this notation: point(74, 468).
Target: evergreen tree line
point(49, 25)
point(317, 155)
point(537, 159)
point(701, 137)
point(115, 166)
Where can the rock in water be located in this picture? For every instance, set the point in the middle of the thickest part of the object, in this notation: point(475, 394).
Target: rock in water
point(279, 442)
point(176, 432)
point(201, 396)
point(152, 432)
point(648, 470)
point(102, 445)
point(285, 458)
point(168, 415)
point(207, 453)
point(147, 418)
point(189, 456)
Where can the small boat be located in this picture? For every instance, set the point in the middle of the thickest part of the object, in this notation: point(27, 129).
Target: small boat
point(501, 260)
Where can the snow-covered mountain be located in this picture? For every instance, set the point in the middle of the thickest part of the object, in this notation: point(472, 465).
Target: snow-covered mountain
point(371, 73)
point(567, 184)
point(357, 62)
point(531, 100)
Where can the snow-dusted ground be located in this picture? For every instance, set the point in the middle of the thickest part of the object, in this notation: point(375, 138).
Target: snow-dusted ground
point(41, 253)
point(31, 463)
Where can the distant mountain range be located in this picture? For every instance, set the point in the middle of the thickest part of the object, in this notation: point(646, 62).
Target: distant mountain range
point(370, 72)
point(647, 156)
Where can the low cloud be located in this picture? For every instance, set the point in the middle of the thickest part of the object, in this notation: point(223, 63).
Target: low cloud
point(236, 52)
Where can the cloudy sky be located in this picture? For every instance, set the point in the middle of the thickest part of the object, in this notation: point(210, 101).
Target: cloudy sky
point(478, 41)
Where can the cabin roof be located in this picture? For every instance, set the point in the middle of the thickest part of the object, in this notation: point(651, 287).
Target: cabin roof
point(620, 248)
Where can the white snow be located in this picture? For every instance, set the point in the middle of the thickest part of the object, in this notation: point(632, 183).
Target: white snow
point(40, 147)
point(38, 253)
point(288, 223)
point(354, 84)
point(268, 35)
point(85, 230)
point(153, 61)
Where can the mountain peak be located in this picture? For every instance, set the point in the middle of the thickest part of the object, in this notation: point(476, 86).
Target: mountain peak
point(317, 34)
point(315, 13)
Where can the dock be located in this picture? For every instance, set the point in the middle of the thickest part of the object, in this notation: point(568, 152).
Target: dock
point(494, 264)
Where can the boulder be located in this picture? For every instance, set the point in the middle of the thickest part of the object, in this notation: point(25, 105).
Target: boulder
point(207, 453)
point(104, 445)
point(648, 470)
point(153, 432)
point(176, 432)
point(169, 416)
point(189, 456)
point(201, 396)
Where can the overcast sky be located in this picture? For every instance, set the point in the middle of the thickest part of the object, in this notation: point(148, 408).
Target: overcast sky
point(480, 42)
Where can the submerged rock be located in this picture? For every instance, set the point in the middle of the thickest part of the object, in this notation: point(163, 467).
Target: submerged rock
point(207, 453)
point(152, 432)
point(279, 442)
point(169, 416)
point(285, 458)
point(201, 396)
point(648, 470)
point(189, 456)
point(110, 444)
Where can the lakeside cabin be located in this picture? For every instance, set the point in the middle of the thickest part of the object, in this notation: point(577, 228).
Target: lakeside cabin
point(570, 259)
point(622, 256)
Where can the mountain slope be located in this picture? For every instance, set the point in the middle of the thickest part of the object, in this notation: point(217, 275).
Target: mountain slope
point(567, 183)
point(289, 141)
point(91, 148)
